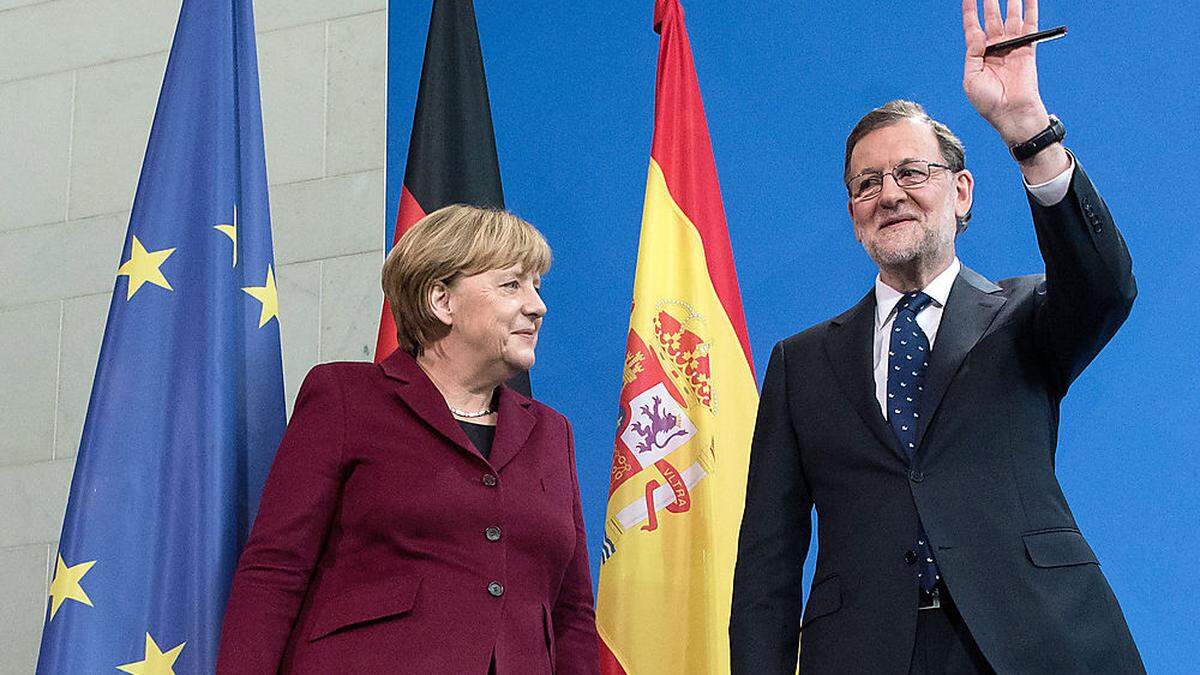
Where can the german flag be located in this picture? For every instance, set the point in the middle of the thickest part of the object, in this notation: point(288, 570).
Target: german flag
point(687, 404)
point(452, 150)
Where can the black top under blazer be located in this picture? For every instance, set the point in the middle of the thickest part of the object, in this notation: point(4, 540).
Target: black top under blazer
point(982, 478)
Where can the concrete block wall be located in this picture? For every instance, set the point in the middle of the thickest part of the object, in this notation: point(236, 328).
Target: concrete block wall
point(79, 80)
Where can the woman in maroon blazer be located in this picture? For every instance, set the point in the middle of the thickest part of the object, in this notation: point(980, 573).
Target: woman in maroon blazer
point(421, 517)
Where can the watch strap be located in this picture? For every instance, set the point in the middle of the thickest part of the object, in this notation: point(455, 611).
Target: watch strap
point(1044, 139)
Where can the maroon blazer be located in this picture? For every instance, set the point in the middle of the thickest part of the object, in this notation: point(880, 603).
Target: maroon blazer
point(385, 543)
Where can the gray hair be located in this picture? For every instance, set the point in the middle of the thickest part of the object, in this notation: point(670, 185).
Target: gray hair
point(953, 152)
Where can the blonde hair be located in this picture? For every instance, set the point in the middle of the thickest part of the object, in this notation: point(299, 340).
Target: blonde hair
point(453, 241)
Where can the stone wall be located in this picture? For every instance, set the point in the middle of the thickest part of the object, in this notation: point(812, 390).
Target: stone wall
point(79, 80)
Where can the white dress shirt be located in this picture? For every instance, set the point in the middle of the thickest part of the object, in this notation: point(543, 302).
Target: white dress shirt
point(886, 297)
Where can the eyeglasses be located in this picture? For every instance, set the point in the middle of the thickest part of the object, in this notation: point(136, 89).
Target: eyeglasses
point(913, 173)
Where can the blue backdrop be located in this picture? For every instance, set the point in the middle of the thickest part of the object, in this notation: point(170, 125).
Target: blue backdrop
point(572, 100)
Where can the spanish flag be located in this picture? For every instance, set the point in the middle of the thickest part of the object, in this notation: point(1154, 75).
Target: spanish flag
point(687, 404)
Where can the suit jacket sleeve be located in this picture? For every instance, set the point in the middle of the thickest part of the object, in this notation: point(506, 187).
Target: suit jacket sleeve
point(298, 503)
point(1089, 288)
point(764, 627)
point(576, 642)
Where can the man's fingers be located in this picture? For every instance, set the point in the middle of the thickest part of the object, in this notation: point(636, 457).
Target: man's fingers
point(1031, 16)
point(1012, 17)
point(993, 22)
point(976, 43)
point(973, 34)
point(970, 16)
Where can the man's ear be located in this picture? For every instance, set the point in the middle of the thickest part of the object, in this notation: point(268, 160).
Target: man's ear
point(964, 193)
point(439, 302)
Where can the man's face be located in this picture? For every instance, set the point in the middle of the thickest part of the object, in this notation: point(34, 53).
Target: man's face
point(901, 227)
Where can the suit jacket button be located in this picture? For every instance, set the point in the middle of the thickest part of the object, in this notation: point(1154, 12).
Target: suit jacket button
point(489, 480)
point(495, 589)
point(916, 476)
point(910, 557)
point(492, 533)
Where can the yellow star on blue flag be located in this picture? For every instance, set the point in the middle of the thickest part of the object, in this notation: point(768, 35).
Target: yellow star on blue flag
point(230, 230)
point(268, 296)
point(65, 585)
point(156, 662)
point(143, 266)
point(187, 403)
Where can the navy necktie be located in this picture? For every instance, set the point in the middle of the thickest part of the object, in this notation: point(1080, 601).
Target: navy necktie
point(908, 358)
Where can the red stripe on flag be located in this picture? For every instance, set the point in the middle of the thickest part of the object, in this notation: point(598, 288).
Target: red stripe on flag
point(682, 149)
point(409, 213)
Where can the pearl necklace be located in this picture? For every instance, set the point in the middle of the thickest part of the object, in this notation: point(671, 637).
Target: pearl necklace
point(470, 414)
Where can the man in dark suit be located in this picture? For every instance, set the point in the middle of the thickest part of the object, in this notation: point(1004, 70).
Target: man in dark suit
point(922, 423)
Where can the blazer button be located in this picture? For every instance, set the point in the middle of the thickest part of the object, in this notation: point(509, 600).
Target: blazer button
point(489, 480)
point(910, 557)
point(492, 533)
point(495, 589)
point(916, 476)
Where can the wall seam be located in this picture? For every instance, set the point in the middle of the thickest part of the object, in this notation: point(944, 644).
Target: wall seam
point(62, 310)
point(325, 109)
point(320, 308)
point(48, 572)
point(82, 66)
point(138, 55)
point(123, 213)
point(34, 303)
point(25, 6)
point(70, 144)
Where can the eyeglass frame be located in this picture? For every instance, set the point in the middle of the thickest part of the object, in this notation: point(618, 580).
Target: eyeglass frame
point(892, 173)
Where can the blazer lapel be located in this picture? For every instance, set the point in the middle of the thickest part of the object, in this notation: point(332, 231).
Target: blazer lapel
point(972, 306)
point(848, 344)
point(418, 392)
point(514, 422)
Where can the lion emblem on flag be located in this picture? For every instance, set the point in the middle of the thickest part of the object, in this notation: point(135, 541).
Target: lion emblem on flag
point(666, 405)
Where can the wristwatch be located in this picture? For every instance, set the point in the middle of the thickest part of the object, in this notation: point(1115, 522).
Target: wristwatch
point(1047, 137)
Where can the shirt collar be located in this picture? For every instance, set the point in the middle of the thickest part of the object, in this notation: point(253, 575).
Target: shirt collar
point(886, 297)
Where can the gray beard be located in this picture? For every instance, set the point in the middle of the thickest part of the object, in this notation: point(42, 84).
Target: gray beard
point(925, 252)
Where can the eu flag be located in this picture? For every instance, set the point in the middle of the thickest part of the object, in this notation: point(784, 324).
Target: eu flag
point(187, 404)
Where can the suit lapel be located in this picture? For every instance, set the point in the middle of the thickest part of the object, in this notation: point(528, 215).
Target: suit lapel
point(848, 344)
point(972, 306)
point(417, 391)
point(514, 422)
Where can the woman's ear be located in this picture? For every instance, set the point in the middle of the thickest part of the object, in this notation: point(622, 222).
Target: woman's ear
point(439, 302)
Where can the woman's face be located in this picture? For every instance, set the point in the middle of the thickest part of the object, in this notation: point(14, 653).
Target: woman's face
point(494, 318)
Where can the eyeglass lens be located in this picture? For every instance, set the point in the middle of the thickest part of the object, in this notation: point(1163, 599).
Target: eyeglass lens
point(907, 174)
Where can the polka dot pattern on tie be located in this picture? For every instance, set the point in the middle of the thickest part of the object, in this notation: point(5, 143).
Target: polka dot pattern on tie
point(910, 347)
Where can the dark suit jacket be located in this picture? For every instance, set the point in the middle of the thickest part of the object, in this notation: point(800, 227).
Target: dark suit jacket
point(982, 477)
point(372, 551)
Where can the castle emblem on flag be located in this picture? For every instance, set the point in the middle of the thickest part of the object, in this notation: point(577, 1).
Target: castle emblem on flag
point(666, 403)
point(686, 353)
